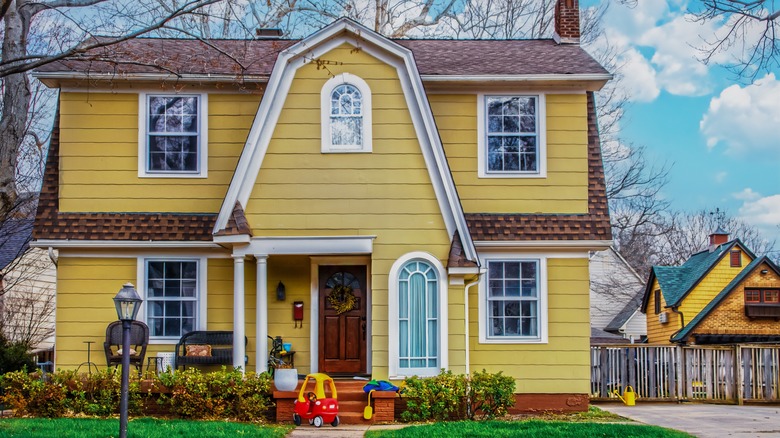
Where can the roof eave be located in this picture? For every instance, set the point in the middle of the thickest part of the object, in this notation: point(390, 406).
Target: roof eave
point(588, 81)
point(54, 79)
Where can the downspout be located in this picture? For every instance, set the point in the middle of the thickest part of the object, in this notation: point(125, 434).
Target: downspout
point(682, 322)
point(466, 317)
point(52, 256)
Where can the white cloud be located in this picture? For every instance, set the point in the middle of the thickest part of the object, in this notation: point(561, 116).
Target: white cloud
point(747, 195)
point(764, 213)
point(638, 79)
point(721, 176)
point(745, 119)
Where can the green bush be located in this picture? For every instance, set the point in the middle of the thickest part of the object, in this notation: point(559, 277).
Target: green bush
point(14, 356)
point(457, 396)
point(217, 395)
point(28, 394)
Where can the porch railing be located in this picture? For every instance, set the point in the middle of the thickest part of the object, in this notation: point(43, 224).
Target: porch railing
point(725, 374)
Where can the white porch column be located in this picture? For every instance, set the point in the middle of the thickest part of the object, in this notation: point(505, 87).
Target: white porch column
point(239, 348)
point(261, 317)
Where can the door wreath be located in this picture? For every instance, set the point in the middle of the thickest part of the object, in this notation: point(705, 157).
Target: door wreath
point(342, 299)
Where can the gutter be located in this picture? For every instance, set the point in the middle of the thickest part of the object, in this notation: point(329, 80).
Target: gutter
point(466, 317)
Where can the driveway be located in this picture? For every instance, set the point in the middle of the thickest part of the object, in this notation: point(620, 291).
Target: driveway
point(705, 420)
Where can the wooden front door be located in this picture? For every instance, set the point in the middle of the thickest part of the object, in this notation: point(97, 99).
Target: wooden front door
point(342, 328)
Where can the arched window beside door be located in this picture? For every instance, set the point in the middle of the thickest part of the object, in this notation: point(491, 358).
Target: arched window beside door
point(417, 316)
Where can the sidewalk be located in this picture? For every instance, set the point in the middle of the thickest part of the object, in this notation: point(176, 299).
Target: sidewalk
point(343, 430)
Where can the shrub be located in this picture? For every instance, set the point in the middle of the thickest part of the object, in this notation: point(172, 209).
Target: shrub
point(28, 394)
point(217, 395)
point(13, 356)
point(455, 397)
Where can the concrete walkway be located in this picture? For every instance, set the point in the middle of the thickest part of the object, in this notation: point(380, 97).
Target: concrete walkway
point(705, 420)
point(343, 430)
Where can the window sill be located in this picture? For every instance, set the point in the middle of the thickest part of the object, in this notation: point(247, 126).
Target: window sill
point(513, 175)
point(143, 174)
point(163, 341)
point(512, 341)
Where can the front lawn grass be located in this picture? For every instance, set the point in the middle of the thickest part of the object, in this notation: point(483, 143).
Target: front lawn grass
point(141, 427)
point(528, 428)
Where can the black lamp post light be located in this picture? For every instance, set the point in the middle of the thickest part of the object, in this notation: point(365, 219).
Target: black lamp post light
point(127, 303)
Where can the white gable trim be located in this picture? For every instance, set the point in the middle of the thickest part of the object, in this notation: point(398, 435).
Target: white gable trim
point(288, 61)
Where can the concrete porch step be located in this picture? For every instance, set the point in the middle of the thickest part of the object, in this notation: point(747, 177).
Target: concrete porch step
point(352, 402)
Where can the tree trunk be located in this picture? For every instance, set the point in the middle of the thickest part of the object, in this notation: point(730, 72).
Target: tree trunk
point(16, 103)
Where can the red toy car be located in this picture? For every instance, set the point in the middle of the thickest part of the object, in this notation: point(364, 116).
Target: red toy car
point(313, 405)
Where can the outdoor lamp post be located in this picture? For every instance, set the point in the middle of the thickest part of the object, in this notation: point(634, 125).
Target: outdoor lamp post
point(127, 303)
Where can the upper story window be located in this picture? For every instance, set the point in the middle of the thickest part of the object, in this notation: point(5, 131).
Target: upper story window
point(512, 300)
point(511, 137)
point(657, 300)
point(172, 140)
point(735, 258)
point(346, 114)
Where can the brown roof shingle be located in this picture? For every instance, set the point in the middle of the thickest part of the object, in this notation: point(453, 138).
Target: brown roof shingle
point(593, 225)
point(50, 223)
point(257, 57)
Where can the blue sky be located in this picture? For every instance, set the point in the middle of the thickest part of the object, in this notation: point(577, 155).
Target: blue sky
point(720, 133)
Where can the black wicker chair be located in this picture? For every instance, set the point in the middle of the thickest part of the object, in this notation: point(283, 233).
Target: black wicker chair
point(139, 339)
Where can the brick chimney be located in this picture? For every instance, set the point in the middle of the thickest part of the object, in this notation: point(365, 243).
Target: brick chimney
point(567, 22)
point(718, 237)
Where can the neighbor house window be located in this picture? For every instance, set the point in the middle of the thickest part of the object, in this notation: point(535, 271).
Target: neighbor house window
point(513, 299)
point(752, 296)
point(171, 297)
point(657, 296)
point(736, 259)
point(346, 114)
point(173, 135)
point(512, 136)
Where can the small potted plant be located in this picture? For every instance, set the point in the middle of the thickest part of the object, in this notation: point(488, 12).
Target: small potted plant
point(285, 377)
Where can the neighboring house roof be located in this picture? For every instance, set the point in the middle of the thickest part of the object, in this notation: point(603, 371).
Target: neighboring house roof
point(235, 58)
point(620, 319)
point(15, 236)
point(593, 225)
point(686, 331)
point(677, 281)
point(598, 336)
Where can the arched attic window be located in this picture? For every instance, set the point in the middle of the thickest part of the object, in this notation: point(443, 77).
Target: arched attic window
point(346, 114)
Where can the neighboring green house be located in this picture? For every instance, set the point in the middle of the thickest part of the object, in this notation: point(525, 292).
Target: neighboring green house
point(723, 295)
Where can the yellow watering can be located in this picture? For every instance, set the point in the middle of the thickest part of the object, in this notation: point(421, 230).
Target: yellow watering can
point(629, 396)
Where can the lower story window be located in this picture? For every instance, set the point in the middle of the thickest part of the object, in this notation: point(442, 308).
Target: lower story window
point(513, 296)
point(171, 297)
point(418, 316)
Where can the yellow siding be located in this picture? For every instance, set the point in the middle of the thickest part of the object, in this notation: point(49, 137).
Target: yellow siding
point(563, 364)
point(658, 333)
point(386, 193)
point(99, 155)
point(564, 190)
point(711, 285)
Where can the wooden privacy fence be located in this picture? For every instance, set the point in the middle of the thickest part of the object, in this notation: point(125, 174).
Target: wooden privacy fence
point(727, 374)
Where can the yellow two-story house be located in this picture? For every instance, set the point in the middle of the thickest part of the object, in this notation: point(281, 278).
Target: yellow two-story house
point(389, 207)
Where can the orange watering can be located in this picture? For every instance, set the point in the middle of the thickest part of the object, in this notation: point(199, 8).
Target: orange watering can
point(629, 396)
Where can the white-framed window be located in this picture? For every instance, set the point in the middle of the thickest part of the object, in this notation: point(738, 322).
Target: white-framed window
point(172, 135)
point(513, 300)
point(174, 296)
point(417, 309)
point(511, 138)
point(346, 114)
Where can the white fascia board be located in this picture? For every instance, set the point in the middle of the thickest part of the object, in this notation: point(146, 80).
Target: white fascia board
point(519, 78)
point(595, 245)
point(45, 243)
point(268, 114)
point(308, 245)
point(237, 238)
point(54, 77)
point(463, 270)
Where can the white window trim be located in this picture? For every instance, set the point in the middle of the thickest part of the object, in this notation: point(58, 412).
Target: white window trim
point(483, 308)
point(202, 296)
point(203, 141)
point(365, 91)
point(541, 119)
point(394, 369)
